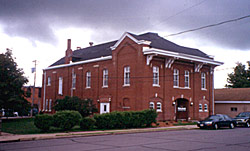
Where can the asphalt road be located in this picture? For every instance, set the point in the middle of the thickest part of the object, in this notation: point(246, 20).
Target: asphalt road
point(237, 139)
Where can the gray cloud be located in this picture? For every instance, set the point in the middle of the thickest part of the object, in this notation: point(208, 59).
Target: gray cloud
point(34, 19)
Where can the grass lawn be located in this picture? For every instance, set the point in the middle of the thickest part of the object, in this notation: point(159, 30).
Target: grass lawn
point(185, 123)
point(26, 126)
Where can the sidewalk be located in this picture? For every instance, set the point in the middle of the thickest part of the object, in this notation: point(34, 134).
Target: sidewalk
point(15, 138)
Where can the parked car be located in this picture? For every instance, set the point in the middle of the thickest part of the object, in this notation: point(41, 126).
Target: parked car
point(217, 121)
point(243, 119)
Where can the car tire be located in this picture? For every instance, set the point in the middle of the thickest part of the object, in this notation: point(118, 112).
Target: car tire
point(231, 125)
point(247, 124)
point(216, 126)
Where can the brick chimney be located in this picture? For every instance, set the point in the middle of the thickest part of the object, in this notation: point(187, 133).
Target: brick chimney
point(68, 53)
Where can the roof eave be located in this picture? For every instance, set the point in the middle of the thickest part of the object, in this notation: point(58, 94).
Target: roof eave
point(147, 51)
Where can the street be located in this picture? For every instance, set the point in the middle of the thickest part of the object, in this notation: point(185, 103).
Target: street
point(181, 140)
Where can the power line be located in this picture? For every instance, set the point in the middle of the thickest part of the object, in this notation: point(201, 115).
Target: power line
point(208, 26)
point(180, 12)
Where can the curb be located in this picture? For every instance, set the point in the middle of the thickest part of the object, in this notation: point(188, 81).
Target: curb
point(89, 133)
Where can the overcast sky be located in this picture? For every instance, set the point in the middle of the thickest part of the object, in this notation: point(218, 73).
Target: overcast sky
point(39, 29)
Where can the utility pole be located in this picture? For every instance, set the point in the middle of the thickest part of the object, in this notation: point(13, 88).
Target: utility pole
point(33, 93)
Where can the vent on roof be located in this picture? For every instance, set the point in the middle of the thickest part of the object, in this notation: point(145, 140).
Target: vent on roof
point(91, 43)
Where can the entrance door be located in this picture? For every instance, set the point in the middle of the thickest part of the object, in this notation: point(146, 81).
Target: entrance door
point(104, 108)
point(182, 109)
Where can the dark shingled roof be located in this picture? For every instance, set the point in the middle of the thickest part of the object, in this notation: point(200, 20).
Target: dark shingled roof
point(105, 50)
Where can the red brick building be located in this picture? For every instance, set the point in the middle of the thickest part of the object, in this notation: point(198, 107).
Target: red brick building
point(136, 72)
point(37, 95)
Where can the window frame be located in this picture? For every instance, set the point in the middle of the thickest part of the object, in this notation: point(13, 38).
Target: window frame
point(203, 81)
point(158, 107)
point(205, 108)
point(176, 78)
point(50, 104)
point(156, 74)
point(46, 105)
point(200, 108)
point(105, 78)
point(49, 81)
point(88, 79)
point(126, 81)
point(151, 105)
point(60, 86)
point(187, 79)
point(74, 81)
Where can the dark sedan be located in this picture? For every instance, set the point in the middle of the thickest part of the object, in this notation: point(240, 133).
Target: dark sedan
point(243, 119)
point(217, 121)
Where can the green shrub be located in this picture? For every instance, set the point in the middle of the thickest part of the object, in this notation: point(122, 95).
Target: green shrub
point(128, 119)
point(66, 120)
point(43, 121)
point(87, 123)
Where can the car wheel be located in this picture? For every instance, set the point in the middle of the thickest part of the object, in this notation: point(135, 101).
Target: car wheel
point(231, 125)
point(247, 124)
point(216, 126)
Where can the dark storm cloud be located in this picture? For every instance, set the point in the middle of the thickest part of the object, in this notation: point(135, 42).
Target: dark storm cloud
point(36, 19)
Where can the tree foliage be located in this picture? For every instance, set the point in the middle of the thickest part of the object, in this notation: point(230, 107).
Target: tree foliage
point(240, 78)
point(84, 107)
point(12, 80)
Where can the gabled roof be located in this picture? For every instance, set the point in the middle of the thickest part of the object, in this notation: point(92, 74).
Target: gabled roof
point(104, 49)
point(232, 94)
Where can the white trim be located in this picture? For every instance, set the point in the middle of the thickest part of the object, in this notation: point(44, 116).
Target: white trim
point(80, 62)
point(126, 34)
point(44, 89)
point(242, 102)
point(181, 56)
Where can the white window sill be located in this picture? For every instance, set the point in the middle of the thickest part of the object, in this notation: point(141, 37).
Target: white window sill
point(200, 110)
point(49, 110)
point(126, 85)
point(156, 85)
point(87, 87)
point(60, 94)
point(104, 86)
point(48, 85)
point(158, 110)
point(175, 86)
point(206, 111)
point(73, 88)
point(203, 89)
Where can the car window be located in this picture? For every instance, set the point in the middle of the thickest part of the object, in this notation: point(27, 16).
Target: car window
point(227, 117)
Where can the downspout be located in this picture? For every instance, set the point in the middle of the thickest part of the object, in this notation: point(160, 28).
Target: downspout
point(44, 89)
point(213, 90)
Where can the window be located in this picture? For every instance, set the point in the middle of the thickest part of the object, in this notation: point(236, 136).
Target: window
point(186, 79)
point(234, 109)
point(60, 88)
point(205, 108)
point(151, 105)
point(88, 79)
point(203, 80)
point(176, 78)
point(126, 76)
point(73, 81)
point(200, 108)
point(49, 81)
point(105, 78)
point(158, 109)
point(155, 76)
point(50, 103)
point(46, 105)
point(43, 105)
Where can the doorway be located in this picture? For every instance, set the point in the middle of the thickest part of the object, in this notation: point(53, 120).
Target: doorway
point(182, 109)
point(104, 108)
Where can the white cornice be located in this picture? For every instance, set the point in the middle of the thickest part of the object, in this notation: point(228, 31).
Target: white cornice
point(126, 34)
point(149, 51)
point(241, 102)
point(80, 62)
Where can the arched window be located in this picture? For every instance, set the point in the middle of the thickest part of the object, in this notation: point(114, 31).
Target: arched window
point(158, 109)
point(151, 105)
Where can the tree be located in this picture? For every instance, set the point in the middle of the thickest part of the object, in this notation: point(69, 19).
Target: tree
point(240, 78)
point(12, 80)
point(84, 107)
